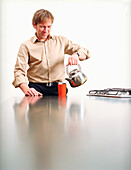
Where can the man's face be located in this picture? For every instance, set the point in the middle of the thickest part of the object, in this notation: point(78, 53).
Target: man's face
point(43, 29)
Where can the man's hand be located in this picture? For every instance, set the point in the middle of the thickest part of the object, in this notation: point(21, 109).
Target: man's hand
point(32, 92)
point(73, 60)
point(29, 91)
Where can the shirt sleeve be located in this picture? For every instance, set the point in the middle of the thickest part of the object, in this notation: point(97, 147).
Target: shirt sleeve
point(71, 48)
point(21, 66)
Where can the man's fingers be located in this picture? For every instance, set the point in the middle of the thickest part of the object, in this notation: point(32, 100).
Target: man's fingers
point(32, 92)
point(40, 94)
point(73, 60)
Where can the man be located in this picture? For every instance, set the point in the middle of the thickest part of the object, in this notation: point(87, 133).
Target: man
point(43, 54)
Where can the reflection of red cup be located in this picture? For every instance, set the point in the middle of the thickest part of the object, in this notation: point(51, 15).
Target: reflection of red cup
point(62, 101)
point(62, 89)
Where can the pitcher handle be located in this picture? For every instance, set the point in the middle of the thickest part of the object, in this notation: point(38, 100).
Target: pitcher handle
point(67, 68)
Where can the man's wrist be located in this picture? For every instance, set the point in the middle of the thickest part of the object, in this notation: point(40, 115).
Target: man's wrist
point(24, 87)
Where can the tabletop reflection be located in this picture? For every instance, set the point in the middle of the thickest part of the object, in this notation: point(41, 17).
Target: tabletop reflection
point(53, 133)
point(40, 121)
point(44, 124)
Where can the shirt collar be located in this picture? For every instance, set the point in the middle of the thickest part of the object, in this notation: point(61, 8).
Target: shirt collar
point(35, 39)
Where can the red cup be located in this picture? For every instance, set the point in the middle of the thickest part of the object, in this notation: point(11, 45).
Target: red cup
point(62, 89)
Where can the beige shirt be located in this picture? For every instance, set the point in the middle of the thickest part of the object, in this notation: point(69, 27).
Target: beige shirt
point(43, 62)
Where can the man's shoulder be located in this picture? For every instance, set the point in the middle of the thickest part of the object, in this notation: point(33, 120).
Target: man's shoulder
point(59, 37)
point(29, 41)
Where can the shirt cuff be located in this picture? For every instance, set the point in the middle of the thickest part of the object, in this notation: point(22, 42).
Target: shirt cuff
point(18, 80)
point(83, 54)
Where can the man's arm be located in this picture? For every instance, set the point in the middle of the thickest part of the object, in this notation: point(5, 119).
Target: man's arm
point(74, 58)
point(76, 52)
point(20, 72)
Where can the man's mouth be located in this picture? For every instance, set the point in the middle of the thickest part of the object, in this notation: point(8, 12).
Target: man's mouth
point(44, 33)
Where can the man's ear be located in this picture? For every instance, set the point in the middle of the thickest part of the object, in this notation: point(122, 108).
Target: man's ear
point(34, 25)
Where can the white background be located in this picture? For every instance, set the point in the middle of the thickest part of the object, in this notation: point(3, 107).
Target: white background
point(103, 27)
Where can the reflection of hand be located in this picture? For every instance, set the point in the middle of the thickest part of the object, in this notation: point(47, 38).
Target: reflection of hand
point(33, 99)
point(30, 100)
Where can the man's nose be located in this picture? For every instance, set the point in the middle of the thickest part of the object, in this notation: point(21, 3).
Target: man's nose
point(46, 29)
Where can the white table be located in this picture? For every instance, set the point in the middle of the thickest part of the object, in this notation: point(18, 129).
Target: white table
point(73, 133)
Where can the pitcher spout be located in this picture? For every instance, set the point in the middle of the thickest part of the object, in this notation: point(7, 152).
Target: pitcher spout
point(68, 79)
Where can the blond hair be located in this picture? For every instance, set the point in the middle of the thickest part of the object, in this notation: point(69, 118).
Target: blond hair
point(42, 15)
